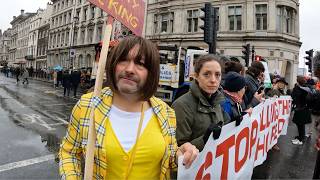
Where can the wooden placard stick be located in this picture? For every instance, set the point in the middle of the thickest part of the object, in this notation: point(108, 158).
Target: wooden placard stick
point(89, 161)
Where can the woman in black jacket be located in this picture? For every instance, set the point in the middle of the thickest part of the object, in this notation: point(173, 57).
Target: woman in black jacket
point(302, 113)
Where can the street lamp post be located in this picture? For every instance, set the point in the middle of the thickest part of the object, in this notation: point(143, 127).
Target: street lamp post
point(71, 59)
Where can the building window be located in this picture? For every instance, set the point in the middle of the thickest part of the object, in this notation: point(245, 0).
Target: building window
point(92, 12)
point(69, 17)
point(67, 37)
point(60, 20)
point(85, 14)
point(99, 33)
point(62, 39)
point(65, 19)
point(75, 35)
point(82, 36)
point(193, 19)
point(261, 17)
point(58, 40)
point(155, 23)
point(218, 18)
point(166, 22)
point(235, 22)
point(101, 12)
point(286, 20)
point(90, 34)
point(271, 53)
point(78, 13)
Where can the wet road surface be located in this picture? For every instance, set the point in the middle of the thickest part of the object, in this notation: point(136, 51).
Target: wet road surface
point(33, 119)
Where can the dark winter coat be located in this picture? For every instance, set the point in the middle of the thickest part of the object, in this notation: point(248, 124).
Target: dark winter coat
point(302, 114)
point(75, 78)
point(252, 87)
point(233, 109)
point(275, 92)
point(194, 115)
point(59, 75)
point(66, 80)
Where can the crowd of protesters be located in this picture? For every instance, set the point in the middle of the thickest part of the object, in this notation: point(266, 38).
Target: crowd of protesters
point(221, 92)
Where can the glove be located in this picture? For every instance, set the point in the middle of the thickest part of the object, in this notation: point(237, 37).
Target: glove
point(238, 120)
point(215, 129)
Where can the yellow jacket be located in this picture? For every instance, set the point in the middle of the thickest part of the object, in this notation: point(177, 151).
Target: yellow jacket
point(73, 146)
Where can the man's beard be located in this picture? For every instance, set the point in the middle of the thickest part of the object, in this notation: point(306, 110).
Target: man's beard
point(128, 88)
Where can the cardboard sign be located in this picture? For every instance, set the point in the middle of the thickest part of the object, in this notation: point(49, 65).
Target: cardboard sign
point(241, 148)
point(129, 12)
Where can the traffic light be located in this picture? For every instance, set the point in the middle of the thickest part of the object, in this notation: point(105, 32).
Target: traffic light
point(208, 23)
point(258, 58)
point(309, 59)
point(246, 53)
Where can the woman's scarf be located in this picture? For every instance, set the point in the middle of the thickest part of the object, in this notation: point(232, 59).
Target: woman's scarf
point(233, 96)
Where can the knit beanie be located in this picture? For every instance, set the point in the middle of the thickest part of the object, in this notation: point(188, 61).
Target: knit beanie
point(234, 82)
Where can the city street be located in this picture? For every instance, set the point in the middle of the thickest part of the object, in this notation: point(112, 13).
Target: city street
point(34, 119)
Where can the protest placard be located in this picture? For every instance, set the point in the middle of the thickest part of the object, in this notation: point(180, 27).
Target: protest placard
point(240, 148)
point(129, 12)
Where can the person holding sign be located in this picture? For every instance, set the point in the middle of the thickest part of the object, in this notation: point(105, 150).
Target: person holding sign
point(254, 78)
point(200, 108)
point(135, 132)
point(234, 89)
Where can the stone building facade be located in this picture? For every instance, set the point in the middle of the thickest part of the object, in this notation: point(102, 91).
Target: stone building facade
point(4, 47)
point(20, 38)
point(76, 26)
point(43, 38)
point(33, 38)
point(271, 26)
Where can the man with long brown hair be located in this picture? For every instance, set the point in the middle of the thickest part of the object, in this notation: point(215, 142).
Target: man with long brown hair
point(135, 130)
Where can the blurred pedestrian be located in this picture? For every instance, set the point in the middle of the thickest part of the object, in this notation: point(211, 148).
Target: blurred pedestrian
point(25, 75)
point(254, 78)
point(302, 114)
point(234, 89)
point(55, 79)
point(17, 73)
point(278, 87)
point(66, 83)
point(123, 111)
point(75, 80)
point(59, 77)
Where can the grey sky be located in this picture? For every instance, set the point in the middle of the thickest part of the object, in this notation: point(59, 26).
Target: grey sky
point(10, 8)
point(309, 14)
point(309, 27)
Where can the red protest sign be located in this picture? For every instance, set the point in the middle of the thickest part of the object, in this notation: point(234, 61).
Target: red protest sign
point(129, 12)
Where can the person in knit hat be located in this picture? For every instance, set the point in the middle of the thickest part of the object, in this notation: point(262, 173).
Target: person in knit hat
point(234, 90)
point(278, 87)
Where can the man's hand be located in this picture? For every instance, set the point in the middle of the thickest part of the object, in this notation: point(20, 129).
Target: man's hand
point(189, 151)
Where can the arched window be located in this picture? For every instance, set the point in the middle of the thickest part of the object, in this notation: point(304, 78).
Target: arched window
point(80, 60)
point(88, 61)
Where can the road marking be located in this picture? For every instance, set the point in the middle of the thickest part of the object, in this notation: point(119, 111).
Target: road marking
point(28, 162)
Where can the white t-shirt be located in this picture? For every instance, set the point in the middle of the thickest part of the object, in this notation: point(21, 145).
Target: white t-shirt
point(125, 125)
